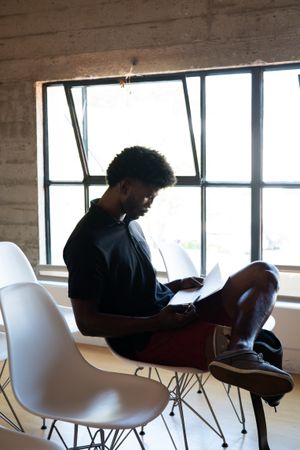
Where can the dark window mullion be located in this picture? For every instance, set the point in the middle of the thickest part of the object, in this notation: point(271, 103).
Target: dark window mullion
point(187, 181)
point(85, 121)
point(257, 144)
point(64, 183)
point(95, 179)
point(85, 141)
point(203, 241)
point(190, 122)
point(46, 178)
point(76, 129)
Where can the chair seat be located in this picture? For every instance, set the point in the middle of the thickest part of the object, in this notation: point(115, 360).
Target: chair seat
point(20, 441)
point(100, 399)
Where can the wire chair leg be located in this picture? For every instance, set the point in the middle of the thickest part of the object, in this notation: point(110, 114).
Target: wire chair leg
point(139, 439)
point(243, 418)
point(240, 415)
point(17, 425)
point(179, 402)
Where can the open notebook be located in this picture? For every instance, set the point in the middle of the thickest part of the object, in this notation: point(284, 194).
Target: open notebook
point(213, 282)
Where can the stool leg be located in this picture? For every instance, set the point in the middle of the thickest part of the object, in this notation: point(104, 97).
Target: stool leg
point(260, 422)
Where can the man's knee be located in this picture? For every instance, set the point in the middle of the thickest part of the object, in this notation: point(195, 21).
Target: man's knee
point(266, 273)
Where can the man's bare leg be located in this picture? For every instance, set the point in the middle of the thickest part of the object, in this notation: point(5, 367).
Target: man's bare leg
point(248, 299)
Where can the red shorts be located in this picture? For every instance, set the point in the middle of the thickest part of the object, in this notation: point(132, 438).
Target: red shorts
point(184, 347)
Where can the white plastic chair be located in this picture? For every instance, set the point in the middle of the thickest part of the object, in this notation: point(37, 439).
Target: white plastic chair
point(16, 268)
point(177, 261)
point(15, 423)
point(50, 377)
point(15, 440)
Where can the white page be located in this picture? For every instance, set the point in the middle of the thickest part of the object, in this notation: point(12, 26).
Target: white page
point(213, 282)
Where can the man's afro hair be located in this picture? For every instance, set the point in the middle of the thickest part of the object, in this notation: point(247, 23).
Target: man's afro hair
point(142, 164)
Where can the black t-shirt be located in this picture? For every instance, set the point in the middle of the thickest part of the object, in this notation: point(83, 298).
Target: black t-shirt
point(109, 261)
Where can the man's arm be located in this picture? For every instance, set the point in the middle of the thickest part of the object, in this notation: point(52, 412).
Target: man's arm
point(92, 323)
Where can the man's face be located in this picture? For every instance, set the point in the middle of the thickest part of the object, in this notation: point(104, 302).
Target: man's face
point(138, 198)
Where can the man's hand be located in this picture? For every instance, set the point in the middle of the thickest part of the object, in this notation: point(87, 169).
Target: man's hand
point(191, 282)
point(172, 317)
point(185, 283)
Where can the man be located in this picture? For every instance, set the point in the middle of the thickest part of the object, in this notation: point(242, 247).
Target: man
point(115, 293)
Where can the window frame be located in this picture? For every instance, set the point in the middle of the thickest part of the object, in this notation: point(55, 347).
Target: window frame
point(256, 183)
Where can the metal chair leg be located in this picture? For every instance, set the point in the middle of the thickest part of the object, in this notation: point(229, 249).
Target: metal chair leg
point(44, 426)
point(16, 424)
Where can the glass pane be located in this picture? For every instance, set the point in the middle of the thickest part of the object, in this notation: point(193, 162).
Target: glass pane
point(228, 227)
point(290, 285)
point(228, 127)
point(96, 191)
point(281, 126)
point(281, 225)
point(147, 114)
point(66, 208)
point(64, 163)
point(193, 84)
point(174, 216)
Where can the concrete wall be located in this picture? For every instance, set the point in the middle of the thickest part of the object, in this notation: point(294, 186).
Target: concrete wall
point(65, 39)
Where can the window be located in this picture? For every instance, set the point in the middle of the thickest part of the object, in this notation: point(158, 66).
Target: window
point(281, 160)
point(232, 137)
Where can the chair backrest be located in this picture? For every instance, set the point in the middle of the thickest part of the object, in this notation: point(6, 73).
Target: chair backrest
point(10, 439)
point(41, 350)
point(15, 267)
point(177, 261)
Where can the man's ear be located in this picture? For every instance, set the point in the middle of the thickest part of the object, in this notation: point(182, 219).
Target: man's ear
point(125, 186)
